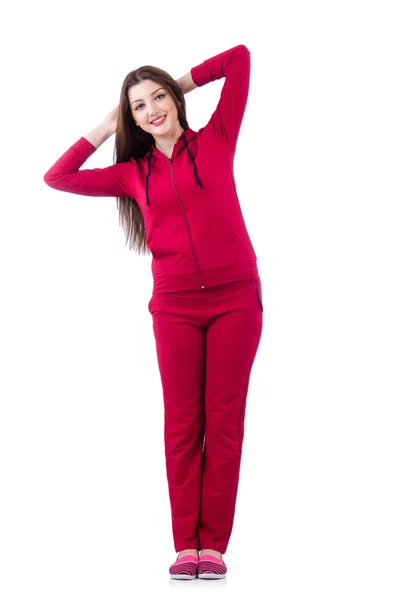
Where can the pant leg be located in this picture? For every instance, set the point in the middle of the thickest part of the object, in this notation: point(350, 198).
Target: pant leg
point(180, 346)
point(233, 338)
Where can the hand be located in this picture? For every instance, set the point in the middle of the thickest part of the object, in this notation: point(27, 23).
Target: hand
point(110, 121)
point(186, 83)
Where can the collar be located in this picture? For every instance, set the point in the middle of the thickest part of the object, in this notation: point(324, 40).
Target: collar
point(178, 146)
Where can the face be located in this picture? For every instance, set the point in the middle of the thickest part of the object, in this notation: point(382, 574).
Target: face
point(150, 103)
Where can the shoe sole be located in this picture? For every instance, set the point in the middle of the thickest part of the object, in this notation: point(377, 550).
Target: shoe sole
point(183, 576)
point(210, 576)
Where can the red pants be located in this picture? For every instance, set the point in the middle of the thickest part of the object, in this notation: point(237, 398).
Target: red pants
point(206, 342)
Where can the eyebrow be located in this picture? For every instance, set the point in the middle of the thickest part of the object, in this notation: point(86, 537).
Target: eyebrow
point(140, 99)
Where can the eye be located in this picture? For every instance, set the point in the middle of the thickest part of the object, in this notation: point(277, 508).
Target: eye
point(158, 96)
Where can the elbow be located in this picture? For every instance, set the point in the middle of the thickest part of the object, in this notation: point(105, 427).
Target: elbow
point(47, 180)
point(50, 179)
point(243, 49)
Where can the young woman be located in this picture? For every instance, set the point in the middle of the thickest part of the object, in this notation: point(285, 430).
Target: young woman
point(177, 198)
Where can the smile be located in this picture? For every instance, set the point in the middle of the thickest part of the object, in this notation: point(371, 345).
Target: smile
point(159, 121)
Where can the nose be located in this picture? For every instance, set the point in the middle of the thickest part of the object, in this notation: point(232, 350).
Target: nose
point(151, 105)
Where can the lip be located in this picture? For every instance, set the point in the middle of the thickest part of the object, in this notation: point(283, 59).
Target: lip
point(162, 117)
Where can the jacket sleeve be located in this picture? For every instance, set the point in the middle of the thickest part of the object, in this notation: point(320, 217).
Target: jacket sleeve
point(235, 66)
point(65, 175)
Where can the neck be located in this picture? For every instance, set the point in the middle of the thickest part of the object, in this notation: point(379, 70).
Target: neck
point(165, 143)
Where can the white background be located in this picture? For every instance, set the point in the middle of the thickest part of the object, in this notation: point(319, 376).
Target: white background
point(84, 508)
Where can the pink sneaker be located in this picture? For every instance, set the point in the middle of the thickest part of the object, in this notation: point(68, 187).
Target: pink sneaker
point(210, 567)
point(184, 567)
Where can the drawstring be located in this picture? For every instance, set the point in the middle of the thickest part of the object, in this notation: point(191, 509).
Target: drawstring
point(191, 160)
point(147, 176)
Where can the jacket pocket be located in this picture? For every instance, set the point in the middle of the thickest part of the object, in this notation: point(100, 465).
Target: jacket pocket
point(214, 240)
point(171, 248)
point(259, 295)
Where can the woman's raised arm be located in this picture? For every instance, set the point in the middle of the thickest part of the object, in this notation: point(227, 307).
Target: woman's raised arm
point(234, 65)
point(65, 174)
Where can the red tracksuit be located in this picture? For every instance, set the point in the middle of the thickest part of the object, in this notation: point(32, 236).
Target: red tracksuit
point(206, 303)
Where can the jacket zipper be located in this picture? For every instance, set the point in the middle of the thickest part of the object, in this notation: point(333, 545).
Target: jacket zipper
point(187, 224)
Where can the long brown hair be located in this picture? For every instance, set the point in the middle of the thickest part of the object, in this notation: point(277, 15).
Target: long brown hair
point(132, 141)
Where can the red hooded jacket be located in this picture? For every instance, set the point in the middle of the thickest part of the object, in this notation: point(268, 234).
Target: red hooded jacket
point(194, 226)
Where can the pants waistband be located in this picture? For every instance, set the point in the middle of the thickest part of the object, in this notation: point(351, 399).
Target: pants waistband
point(214, 277)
